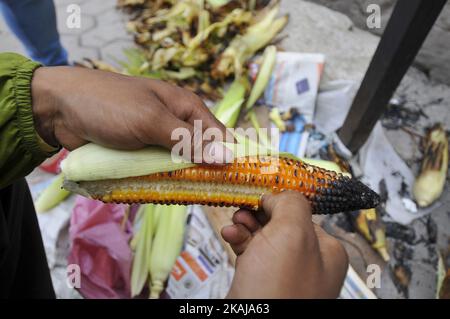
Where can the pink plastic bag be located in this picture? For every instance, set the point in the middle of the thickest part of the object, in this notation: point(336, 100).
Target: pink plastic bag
point(99, 245)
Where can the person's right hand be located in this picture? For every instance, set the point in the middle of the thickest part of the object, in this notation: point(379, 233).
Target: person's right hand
point(282, 254)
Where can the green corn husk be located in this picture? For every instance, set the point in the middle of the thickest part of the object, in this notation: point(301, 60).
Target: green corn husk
point(156, 245)
point(52, 195)
point(263, 138)
point(218, 3)
point(228, 109)
point(142, 242)
point(95, 162)
point(137, 220)
point(157, 212)
point(167, 245)
point(203, 20)
point(263, 77)
point(183, 74)
point(276, 119)
point(136, 61)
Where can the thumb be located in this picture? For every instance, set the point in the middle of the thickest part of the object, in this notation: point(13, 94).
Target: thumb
point(189, 142)
point(288, 206)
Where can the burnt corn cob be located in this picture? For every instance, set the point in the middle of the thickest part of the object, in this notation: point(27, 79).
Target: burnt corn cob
point(239, 184)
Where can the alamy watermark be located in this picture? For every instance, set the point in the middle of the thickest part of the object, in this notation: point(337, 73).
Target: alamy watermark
point(73, 20)
point(373, 21)
point(374, 276)
point(73, 276)
point(214, 146)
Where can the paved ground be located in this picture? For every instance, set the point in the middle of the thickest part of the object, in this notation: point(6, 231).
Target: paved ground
point(102, 34)
point(347, 49)
point(432, 57)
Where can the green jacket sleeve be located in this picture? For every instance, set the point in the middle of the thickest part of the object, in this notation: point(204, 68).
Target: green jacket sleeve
point(20, 146)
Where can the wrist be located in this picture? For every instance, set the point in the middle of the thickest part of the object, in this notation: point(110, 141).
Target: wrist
point(43, 106)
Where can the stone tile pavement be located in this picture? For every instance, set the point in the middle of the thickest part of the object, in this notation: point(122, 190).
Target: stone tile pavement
point(102, 34)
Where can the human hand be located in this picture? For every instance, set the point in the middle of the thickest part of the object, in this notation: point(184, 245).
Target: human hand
point(73, 106)
point(282, 254)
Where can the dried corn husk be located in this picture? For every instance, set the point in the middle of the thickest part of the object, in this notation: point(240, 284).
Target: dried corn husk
point(430, 183)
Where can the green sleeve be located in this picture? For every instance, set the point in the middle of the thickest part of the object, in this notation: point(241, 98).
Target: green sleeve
point(20, 149)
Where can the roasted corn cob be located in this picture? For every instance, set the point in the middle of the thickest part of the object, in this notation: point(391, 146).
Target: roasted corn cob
point(240, 184)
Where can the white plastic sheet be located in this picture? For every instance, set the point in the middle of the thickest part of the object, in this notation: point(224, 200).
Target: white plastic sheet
point(377, 158)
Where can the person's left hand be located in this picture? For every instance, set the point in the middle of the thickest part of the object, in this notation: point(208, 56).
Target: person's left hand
point(73, 106)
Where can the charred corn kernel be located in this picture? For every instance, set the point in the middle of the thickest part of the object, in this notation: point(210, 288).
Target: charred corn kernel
point(241, 184)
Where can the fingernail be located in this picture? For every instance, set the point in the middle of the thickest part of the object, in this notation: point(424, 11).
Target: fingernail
point(220, 154)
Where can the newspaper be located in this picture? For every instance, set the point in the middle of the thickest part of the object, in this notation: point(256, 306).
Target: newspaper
point(294, 84)
point(202, 270)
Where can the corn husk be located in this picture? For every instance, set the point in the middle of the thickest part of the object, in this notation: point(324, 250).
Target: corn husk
point(369, 224)
point(430, 183)
point(156, 245)
point(276, 119)
point(52, 195)
point(243, 47)
point(228, 109)
point(328, 165)
point(263, 77)
point(443, 279)
point(218, 3)
point(137, 220)
point(92, 162)
point(142, 243)
point(167, 245)
point(214, 38)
